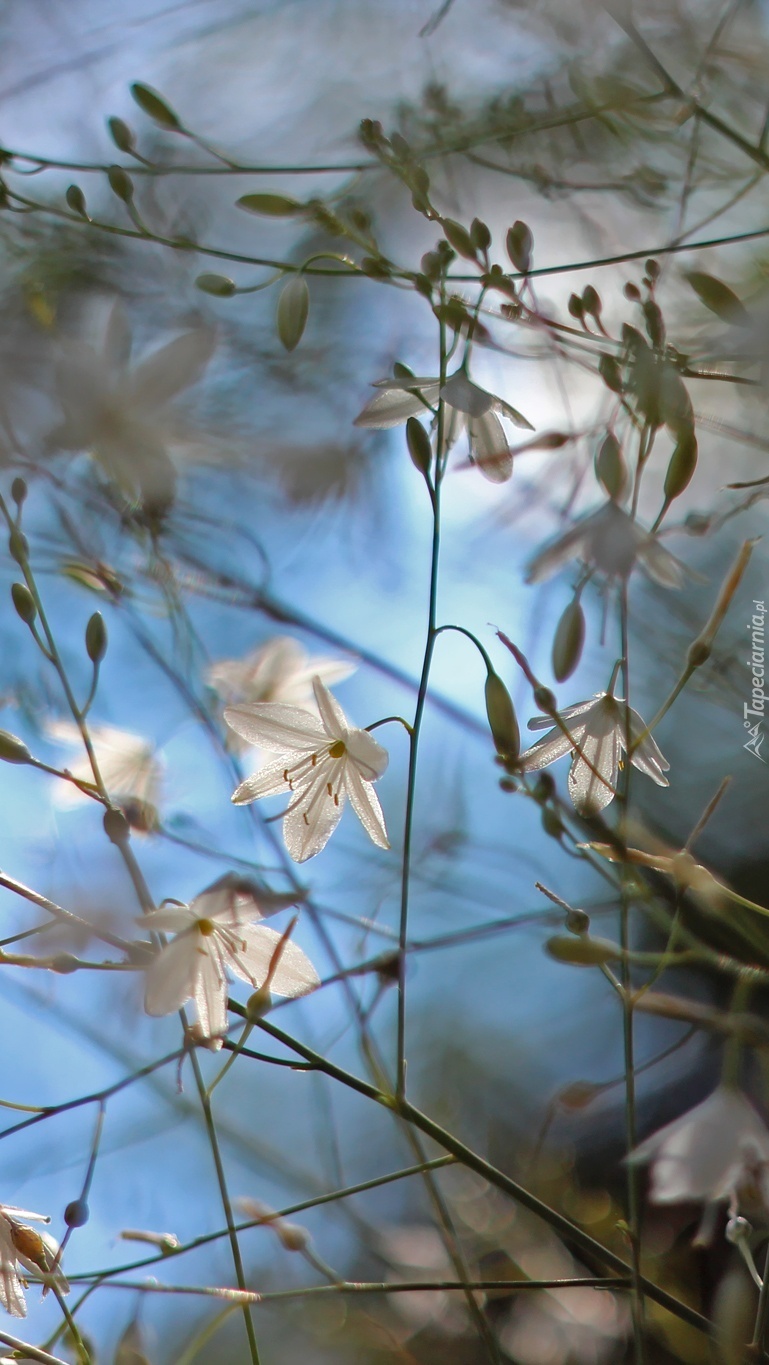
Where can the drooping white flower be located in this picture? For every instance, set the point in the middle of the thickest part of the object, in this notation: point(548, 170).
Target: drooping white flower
point(322, 762)
point(220, 932)
point(594, 734)
point(611, 542)
point(36, 1252)
point(118, 411)
point(470, 407)
point(129, 765)
point(280, 670)
point(719, 1150)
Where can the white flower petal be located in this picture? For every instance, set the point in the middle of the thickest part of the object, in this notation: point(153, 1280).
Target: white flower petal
point(164, 373)
point(311, 819)
point(276, 727)
point(661, 565)
point(463, 394)
point(11, 1293)
point(170, 977)
point(391, 407)
point(365, 803)
point(333, 717)
point(210, 992)
point(545, 751)
point(558, 552)
point(489, 447)
point(294, 974)
point(169, 919)
point(366, 755)
point(593, 775)
point(515, 416)
point(117, 337)
point(267, 781)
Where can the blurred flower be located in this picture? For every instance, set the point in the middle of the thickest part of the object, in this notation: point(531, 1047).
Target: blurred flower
point(322, 763)
point(718, 1150)
point(678, 864)
point(610, 541)
point(218, 933)
point(280, 670)
point(129, 767)
point(468, 406)
point(36, 1252)
point(117, 411)
point(594, 733)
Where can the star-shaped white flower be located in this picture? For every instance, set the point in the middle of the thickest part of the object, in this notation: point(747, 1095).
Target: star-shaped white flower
point(322, 762)
point(129, 765)
point(118, 411)
point(279, 670)
point(219, 933)
point(717, 1151)
point(469, 407)
point(611, 542)
point(35, 1252)
point(594, 733)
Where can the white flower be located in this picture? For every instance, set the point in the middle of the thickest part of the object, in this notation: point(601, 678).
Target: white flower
point(218, 933)
point(35, 1252)
point(129, 766)
point(469, 406)
point(595, 738)
point(610, 541)
point(279, 670)
point(322, 762)
point(116, 410)
point(718, 1150)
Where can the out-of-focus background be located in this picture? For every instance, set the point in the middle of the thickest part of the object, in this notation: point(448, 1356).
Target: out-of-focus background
point(286, 520)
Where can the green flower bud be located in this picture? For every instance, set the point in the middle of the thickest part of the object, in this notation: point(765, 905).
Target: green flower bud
point(221, 286)
point(582, 952)
point(121, 135)
point(292, 311)
point(77, 1213)
point(568, 642)
point(96, 638)
point(76, 200)
point(121, 183)
point(24, 603)
point(501, 717)
point(519, 242)
point(420, 448)
point(13, 750)
point(155, 107)
point(258, 1004)
point(19, 490)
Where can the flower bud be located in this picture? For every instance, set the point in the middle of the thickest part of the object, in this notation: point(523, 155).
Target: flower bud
point(569, 641)
point(64, 964)
point(480, 235)
point(258, 1004)
point(544, 700)
point(293, 308)
point(501, 717)
point(96, 638)
point(19, 490)
point(610, 468)
point(683, 463)
point(155, 107)
point(591, 301)
point(577, 922)
point(270, 205)
point(24, 603)
point(121, 135)
point(13, 750)
point(18, 546)
point(460, 239)
point(76, 200)
point(291, 1236)
point(221, 286)
point(519, 242)
point(116, 826)
point(76, 1214)
point(583, 951)
point(419, 445)
point(121, 183)
point(610, 373)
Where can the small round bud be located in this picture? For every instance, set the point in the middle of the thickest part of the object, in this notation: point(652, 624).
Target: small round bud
point(544, 788)
point(76, 1214)
point(569, 641)
point(507, 784)
point(76, 201)
point(291, 1235)
point(698, 654)
point(64, 964)
point(501, 717)
point(221, 286)
point(738, 1230)
point(257, 1005)
point(577, 922)
point(632, 292)
point(121, 135)
point(551, 823)
point(19, 490)
point(120, 183)
point(116, 826)
point(544, 700)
